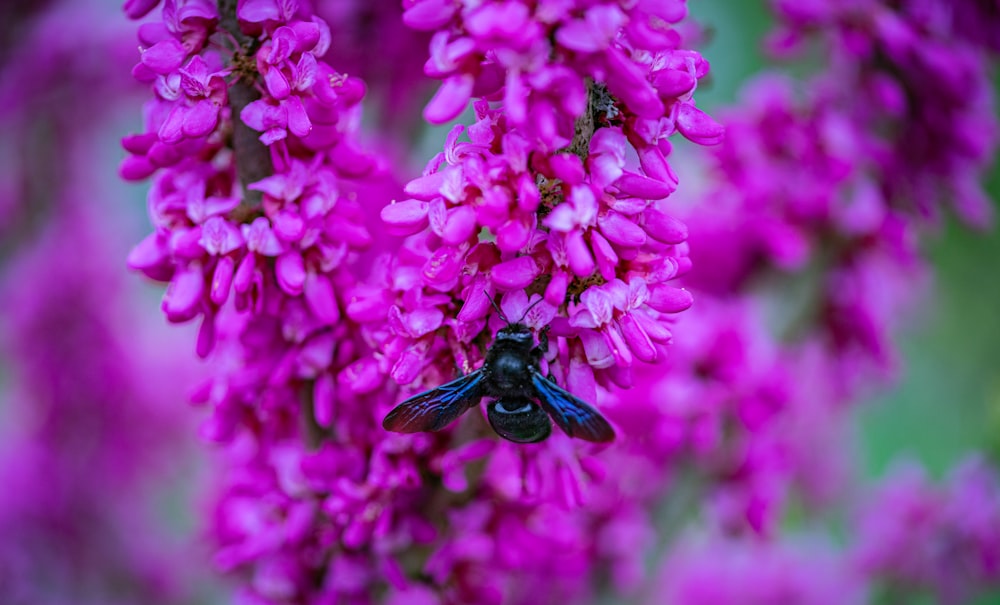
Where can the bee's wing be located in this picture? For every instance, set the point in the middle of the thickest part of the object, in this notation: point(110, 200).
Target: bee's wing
point(572, 414)
point(435, 409)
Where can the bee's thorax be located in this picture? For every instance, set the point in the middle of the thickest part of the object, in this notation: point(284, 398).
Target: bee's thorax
point(510, 363)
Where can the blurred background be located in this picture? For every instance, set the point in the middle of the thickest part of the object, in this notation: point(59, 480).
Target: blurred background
point(103, 471)
point(947, 400)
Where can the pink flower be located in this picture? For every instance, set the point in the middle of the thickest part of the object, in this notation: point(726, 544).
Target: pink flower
point(205, 96)
point(275, 121)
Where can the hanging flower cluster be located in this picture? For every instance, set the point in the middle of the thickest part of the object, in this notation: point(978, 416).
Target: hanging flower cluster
point(550, 199)
point(323, 304)
point(261, 203)
point(545, 200)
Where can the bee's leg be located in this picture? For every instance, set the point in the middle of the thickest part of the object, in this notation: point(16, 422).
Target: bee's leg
point(461, 359)
point(543, 343)
point(463, 369)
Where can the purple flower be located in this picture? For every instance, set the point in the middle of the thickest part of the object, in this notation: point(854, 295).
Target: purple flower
point(205, 95)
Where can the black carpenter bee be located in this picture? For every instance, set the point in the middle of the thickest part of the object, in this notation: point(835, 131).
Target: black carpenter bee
point(511, 376)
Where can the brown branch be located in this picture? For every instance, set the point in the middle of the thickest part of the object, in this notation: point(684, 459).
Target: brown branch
point(313, 434)
point(253, 159)
point(586, 124)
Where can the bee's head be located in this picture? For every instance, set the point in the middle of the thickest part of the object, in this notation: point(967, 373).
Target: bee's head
point(519, 333)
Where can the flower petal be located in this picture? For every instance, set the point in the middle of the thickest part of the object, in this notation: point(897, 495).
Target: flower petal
point(222, 279)
point(663, 227)
point(320, 298)
point(697, 126)
point(637, 339)
point(429, 15)
point(450, 99)
point(180, 301)
point(515, 274)
point(406, 217)
point(164, 56)
point(581, 261)
point(621, 230)
point(290, 270)
point(668, 299)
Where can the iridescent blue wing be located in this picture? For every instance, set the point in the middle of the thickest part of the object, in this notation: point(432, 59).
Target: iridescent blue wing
point(435, 409)
point(575, 417)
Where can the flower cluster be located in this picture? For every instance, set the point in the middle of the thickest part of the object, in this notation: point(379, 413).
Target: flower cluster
point(278, 247)
point(322, 306)
point(918, 92)
point(257, 236)
point(545, 200)
point(300, 327)
point(800, 193)
point(550, 199)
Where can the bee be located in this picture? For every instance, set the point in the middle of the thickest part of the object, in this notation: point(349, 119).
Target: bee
point(522, 399)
